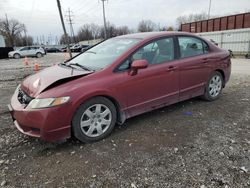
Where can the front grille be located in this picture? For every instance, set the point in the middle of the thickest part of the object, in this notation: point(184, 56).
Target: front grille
point(23, 98)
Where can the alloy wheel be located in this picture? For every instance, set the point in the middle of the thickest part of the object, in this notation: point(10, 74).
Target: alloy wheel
point(96, 120)
point(215, 86)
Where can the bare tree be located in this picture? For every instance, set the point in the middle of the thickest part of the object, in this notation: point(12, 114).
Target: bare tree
point(93, 31)
point(123, 30)
point(170, 28)
point(110, 30)
point(11, 30)
point(64, 39)
point(146, 26)
point(24, 41)
point(191, 18)
point(85, 33)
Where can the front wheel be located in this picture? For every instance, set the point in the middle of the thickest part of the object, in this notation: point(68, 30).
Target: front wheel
point(39, 55)
point(94, 119)
point(17, 56)
point(213, 87)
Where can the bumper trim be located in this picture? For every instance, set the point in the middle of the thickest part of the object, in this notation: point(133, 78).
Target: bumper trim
point(30, 133)
point(10, 108)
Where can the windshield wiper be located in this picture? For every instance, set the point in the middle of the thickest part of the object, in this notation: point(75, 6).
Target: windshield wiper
point(79, 65)
point(64, 64)
point(90, 52)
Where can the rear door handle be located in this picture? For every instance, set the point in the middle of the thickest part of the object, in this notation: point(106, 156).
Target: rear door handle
point(172, 68)
point(205, 60)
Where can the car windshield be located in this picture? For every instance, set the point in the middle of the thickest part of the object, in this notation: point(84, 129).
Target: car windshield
point(104, 54)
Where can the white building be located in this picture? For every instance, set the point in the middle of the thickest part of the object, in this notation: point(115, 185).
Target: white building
point(2, 42)
point(237, 40)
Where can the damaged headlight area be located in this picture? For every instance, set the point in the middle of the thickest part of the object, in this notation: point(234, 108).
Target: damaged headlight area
point(47, 102)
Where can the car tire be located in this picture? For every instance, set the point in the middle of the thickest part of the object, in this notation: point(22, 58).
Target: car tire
point(39, 55)
point(17, 56)
point(213, 87)
point(94, 119)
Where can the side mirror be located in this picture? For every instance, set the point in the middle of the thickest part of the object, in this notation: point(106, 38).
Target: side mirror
point(138, 64)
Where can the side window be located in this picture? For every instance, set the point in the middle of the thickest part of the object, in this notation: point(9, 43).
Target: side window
point(205, 48)
point(156, 52)
point(34, 48)
point(190, 46)
point(25, 48)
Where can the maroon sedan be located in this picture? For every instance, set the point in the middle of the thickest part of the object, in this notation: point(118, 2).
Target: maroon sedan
point(115, 80)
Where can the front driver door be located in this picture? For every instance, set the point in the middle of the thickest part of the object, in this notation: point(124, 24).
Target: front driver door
point(152, 87)
point(24, 51)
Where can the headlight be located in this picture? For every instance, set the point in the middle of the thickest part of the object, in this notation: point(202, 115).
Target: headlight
point(48, 102)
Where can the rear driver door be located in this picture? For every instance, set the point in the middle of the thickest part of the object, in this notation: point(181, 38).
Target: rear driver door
point(194, 66)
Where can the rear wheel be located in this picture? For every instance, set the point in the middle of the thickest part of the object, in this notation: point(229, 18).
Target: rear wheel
point(213, 87)
point(16, 56)
point(94, 119)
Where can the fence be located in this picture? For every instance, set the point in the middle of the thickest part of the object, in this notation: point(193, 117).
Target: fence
point(237, 40)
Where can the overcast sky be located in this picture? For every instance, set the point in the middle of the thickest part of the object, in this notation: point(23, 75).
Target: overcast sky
point(42, 18)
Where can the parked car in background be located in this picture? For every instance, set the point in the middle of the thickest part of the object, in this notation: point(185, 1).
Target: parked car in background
point(75, 48)
point(117, 79)
point(27, 51)
point(85, 48)
point(64, 49)
point(53, 50)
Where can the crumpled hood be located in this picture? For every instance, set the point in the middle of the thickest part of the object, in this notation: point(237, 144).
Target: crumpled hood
point(36, 83)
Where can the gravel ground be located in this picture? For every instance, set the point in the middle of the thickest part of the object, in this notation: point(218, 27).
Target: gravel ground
point(190, 144)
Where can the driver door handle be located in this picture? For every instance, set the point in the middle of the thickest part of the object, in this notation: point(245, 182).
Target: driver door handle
point(205, 60)
point(172, 68)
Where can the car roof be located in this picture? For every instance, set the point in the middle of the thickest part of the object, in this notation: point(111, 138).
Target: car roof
point(148, 35)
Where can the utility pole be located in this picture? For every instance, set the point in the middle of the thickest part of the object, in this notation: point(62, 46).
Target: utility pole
point(25, 35)
point(63, 26)
point(104, 19)
point(209, 8)
point(8, 28)
point(43, 39)
point(7, 21)
point(70, 21)
point(56, 40)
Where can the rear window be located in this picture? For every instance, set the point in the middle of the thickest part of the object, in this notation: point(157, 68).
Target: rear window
point(190, 46)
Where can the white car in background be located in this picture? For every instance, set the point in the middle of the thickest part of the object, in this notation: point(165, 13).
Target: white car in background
point(27, 51)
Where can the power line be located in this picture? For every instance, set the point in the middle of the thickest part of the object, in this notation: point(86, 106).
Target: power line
point(81, 7)
point(70, 22)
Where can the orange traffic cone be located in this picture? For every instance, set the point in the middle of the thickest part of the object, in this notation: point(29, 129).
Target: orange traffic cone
point(36, 67)
point(26, 61)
